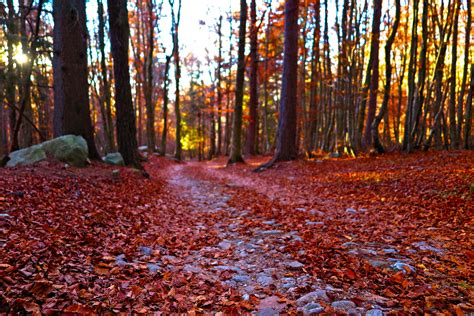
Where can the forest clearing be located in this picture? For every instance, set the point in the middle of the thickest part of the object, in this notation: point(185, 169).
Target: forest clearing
point(262, 157)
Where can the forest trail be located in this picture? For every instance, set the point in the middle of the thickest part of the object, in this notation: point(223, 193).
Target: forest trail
point(251, 257)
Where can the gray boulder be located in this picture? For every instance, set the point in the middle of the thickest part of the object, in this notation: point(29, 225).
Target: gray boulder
point(115, 159)
point(70, 149)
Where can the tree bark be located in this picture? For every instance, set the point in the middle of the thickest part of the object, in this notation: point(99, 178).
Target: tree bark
point(454, 141)
point(71, 93)
point(236, 148)
point(125, 116)
point(374, 80)
point(388, 78)
point(468, 125)
point(149, 104)
point(250, 144)
point(165, 105)
point(465, 73)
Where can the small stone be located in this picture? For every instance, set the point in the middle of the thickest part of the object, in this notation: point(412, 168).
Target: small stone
point(374, 312)
point(310, 223)
point(311, 309)
point(343, 305)
point(354, 312)
point(228, 268)
point(404, 267)
point(145, 250)
point(264, 279)
point(153, 267)
point(225, 245)
point(350, 244)
point(319, 295)
point(317, 213)
point(424, 246)
point(351, 210)
point(270, 232)
point(270, 222)
point(390, 250)
point(245, 297)
point(241, 278)
point(191, 268)
point(294, 265)
point(378, 263)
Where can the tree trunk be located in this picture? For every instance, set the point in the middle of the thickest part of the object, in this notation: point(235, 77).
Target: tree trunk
point(465, 73)
point(219, 90)
point(149, 104)
point(250, 144)
point(71, 95)
point(236, 148)
point(286, 139)
point(126, 124)
point(177, 75)
point(374, 80)
point(388, 78)
point(165, 105)
point(454, 141)
point(468, 125)
point(107, 118)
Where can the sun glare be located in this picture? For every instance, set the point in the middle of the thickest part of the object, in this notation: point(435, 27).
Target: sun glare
point(20, 57)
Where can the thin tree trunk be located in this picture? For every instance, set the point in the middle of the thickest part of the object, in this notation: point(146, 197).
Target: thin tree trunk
point(465, 73)
point(149, 104)
point(468, 125)
point(236, 149)
point(454, 140)
point(219, 90)
point(388, 78)
point(165, 105)
point(252, 129)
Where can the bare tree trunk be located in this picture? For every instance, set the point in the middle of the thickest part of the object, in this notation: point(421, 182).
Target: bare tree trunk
point(454, 141)
point(219, 90)
point(126, 124)
point(177, 75)
point(250, 144)
point(468, 125)
point(407, 144)
point(106, 97)
point(236, 150)
point(149, 104)
point(374, 80)
point(286, 148)
point(165, 105)
point(465, 73)
point(388, 78)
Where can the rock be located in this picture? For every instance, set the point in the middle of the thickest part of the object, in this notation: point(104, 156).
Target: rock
point(424, 246)
point(264, 279)
point(350, 244)
point(311, 297)
point(70, 149)
point(153, 267)
point(228, 268)
point(374, 312)
point(335, 155)
point(310, 223)
point(115, 159)
point(343, 305)
point(225, 245)
point(378, 263)
point(389, 250)
point(270, 306)
point(311, 309)
point(191, 268)
point(145, 250)
point(143, 148)
point(270, 222)
point(241, 278)
point(269, 232)
point(351, 210)
point(317, 213)
point(355, 312)
point(294, 265)
point(404, 267)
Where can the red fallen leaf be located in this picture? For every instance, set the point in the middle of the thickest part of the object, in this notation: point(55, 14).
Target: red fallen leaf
point(350, 274)
point(79, 309)
point(42, 288)
point(28, 306)
point(470, 255)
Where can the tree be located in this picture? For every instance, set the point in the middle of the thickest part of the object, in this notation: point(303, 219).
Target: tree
point(71, 94)
point(251, 140)
point(149, 104)
point(105, 98)
point(176, 18)
point(165, 104)
point(388, 79)
point(286, 148)
point(374, 68)
point(125, 116)
point(236, 148)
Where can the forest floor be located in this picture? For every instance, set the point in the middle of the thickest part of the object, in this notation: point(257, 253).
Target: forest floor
point(389, 234)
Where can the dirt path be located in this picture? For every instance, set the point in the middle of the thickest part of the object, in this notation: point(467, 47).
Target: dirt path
point(255, 262)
